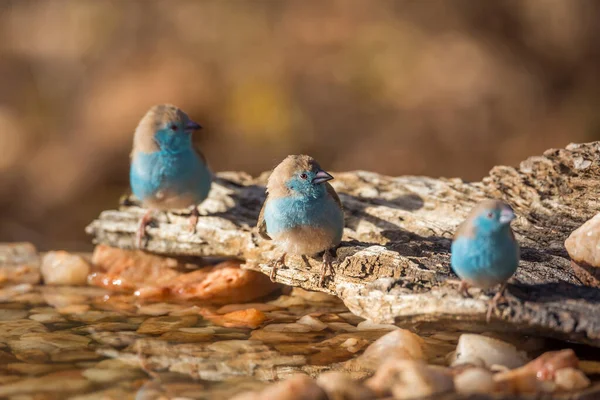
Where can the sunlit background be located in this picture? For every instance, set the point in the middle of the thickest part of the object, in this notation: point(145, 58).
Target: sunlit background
point(439, 88)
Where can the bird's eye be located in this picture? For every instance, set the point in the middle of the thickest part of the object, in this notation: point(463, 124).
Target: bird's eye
point(490, 215)
point(303, 176)
point(173, 127)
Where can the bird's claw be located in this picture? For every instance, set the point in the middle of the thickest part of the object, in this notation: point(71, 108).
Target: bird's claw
point(493, 306)
point(141, 232)
point(327, 266)
point(280, 262)
point(195, 215)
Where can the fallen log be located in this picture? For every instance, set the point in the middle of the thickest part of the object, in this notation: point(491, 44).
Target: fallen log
point(393, 265)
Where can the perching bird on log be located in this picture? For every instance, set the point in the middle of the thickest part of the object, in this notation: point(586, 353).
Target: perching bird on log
point(485, 252)
point(302, 213)
point(167, 172)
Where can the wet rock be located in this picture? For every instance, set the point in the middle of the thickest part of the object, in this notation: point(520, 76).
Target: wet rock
point(409, 379)
point(63, 268)
point(583, 246)
point(340, 386)
point(474, 380)
point(159, 325)
point(107, 375)
point(11, 293)
point(367, 325)
point(313, 323)
point(12, 315)
point(49, 342)
point(238, 307)
point(49, 318)
point(250, 318)
point(484, 351)
point(58, 382)
point(398, 344)
point(156, 277)
point(539, 375)
point(299, 387)
point(15, 329)
point(19, 263)
point(571, 379)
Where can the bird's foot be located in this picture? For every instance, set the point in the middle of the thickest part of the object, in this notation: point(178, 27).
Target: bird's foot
point(493, 306)
point(327, 266)
point(141, 232)
point(279, 263)
point(463, 287)
point(195, 214)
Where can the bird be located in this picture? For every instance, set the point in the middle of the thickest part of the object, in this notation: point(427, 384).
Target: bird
point(484, 252)
point(167, 171)
point(302, 213)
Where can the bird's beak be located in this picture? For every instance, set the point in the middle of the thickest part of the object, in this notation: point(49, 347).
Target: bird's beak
point(192, 126)
point(321, 177)
point(506, 215)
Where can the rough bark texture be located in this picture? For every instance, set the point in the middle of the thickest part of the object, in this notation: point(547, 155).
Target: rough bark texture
point(393, 265)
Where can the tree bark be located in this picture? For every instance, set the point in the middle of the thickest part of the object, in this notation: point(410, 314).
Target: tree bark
point(393, 265)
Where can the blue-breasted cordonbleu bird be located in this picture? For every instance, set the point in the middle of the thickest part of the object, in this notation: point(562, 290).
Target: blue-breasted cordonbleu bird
point(167, 171)
point(485, 252)
point(302, 213)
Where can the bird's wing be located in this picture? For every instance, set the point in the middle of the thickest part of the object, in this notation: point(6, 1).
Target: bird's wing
point(465, 229)
point(262, 225)
point(333, 194)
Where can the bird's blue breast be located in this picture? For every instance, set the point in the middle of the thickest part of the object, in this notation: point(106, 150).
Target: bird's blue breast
point(485, 261)
point(180, 173)
point(286, 213)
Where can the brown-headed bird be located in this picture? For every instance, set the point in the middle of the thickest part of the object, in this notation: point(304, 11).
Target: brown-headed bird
point(302, 213)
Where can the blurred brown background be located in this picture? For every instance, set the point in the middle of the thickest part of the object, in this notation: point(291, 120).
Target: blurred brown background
point(440, 88)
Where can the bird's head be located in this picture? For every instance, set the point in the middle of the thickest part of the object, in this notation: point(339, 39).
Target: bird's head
point(298, 175)
point(164, 127)
point(491, 216)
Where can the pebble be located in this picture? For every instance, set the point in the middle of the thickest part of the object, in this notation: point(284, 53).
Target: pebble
point(299, 387)
point(410, 379)
point(398, 344)
point(571, 379)
point(340, 386)
point(474, 380)
point(63, 268)
point(485, 351)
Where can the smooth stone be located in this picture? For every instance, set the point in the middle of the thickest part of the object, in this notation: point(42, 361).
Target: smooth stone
point(397, 344)
point(299, 387)
point(314, 323)
point(63, 268)
point(340, 386)
point(409, 379)
point(570, 379)
point(484, 351)
point(474, 380)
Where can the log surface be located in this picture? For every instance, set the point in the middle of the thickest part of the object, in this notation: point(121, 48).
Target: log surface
point(394, 264)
